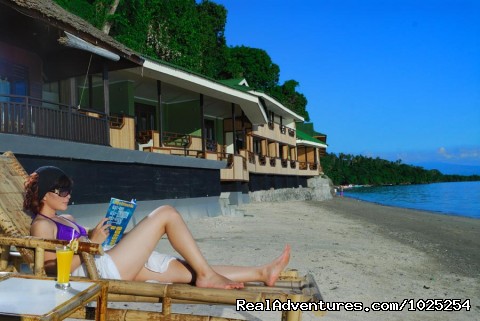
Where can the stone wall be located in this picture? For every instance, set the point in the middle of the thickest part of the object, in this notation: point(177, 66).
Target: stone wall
point(319, 188)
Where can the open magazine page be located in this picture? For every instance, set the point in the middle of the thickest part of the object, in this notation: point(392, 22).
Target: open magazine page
point(119, 214)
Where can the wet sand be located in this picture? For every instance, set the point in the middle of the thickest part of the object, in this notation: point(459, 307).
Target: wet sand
point(357, 251)
point(453, 240)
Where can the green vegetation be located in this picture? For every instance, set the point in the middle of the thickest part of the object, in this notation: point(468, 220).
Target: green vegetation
point(346, 169)
point(190, 35)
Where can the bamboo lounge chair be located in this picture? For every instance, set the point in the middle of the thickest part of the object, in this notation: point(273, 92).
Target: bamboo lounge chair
point(14, 233)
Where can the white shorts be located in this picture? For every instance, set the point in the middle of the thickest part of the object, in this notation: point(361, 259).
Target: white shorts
point(158, 262)
point(107, 269)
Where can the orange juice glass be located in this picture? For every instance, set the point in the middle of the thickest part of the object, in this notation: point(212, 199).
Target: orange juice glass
point(64, 264)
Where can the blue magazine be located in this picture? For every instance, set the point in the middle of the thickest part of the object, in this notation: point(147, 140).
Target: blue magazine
point(119, 214)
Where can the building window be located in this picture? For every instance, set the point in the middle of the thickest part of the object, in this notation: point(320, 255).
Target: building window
point(211, 143)
point(13, 80)
point(257, 146)
point(210, 129)
point(144, 117)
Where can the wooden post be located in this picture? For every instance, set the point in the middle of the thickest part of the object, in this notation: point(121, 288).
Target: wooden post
point(202, 126)
point(4, 254)
point(166, 306)
point(160, 111)
point(106, 100)
point(70, 134)
point(90, 265)
point(293, 315)
point(102, 303)
point(106, 90)
point(73, 93)
point(39, 262)
point(234, 134)
point(244, 138)
point(90, 92)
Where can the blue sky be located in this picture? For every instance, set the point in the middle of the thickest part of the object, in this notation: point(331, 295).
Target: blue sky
point(397, 79)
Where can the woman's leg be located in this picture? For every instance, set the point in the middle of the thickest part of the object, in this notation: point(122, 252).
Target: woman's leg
point(179, 272)
point(267, 273)
point(131, 253)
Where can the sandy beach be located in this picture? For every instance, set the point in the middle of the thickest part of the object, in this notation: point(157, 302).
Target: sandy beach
point(357, 252)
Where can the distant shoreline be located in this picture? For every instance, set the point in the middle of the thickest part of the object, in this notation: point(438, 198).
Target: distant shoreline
point(446, 198)
point(411, 208)
point(452, 239)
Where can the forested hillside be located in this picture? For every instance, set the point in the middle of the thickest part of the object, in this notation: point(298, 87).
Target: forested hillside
point(346, 169)
point(190, 35)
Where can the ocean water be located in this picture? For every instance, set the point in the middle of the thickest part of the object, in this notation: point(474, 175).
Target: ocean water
point(458, 198)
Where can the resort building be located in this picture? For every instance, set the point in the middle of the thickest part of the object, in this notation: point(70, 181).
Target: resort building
point(72, 96)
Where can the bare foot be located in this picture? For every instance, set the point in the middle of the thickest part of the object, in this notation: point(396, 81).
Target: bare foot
point(274, 268)
point(217, 281)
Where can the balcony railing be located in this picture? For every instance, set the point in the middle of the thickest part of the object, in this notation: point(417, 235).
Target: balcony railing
point(211, 145)
point(273, 161)
point(23, 115)
point(176, 140)
point(251, 157)
point(262, 160)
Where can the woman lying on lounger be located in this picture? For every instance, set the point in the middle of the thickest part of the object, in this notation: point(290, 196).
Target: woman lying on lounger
point(48, 190)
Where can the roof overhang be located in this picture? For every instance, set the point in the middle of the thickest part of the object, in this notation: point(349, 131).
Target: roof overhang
point(312, 144)
point(277, 107)
point(249, 103)
point(40, 26)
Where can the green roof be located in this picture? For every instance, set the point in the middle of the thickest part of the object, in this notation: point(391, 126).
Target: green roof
point(235, 83)
point(308, 128)
point(304, 136)
point(232, 82)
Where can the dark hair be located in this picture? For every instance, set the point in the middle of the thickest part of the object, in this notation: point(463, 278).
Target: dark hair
point(40, 182)
point(30, 199)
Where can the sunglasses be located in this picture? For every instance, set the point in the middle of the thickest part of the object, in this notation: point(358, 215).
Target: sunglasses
point(62, 192)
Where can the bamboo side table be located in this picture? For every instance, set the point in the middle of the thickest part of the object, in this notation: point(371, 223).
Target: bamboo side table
point(26, 297)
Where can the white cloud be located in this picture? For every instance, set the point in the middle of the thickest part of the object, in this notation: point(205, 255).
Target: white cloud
point(469, 155)
point(460, 153)
point(443, 153)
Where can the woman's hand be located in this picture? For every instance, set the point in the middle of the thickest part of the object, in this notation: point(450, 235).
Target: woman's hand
point(100, 232)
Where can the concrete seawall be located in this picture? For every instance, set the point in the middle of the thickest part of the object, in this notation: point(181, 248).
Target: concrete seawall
point(318, 189)
point(228, 204)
